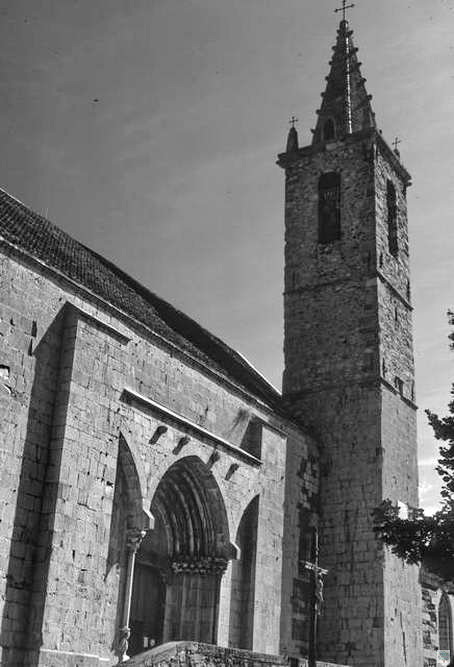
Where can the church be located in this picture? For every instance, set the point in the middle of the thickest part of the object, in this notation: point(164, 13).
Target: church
point(161, 502)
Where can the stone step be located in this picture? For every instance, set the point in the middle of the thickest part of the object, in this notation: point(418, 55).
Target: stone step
point(195, 654)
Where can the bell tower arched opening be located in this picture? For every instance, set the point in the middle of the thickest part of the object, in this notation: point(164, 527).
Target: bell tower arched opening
point(180, 563)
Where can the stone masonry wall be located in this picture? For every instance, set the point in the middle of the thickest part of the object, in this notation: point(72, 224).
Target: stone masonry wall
point(432, 591)
point(349, 377)
point(191, 654)
point(395, 269)
point(394, 293)
point(65, 364)
point(323, 282)
point(301, 514)
point(398, 431)
point(351, 626)
point(430, 626)
point(27, 398)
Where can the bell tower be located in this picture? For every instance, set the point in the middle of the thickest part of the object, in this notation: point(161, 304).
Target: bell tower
point(349, 370)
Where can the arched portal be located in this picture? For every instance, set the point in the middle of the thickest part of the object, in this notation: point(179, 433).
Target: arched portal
point(180, 563)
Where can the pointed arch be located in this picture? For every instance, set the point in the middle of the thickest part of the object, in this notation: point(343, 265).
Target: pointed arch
point(241, 626)
point(181, 562)
point(189, 502)
point(139, 515)
point(130, 510)
point(445, 638)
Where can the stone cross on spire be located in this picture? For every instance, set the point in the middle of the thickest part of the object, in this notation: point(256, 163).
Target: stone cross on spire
point(396, 143)
point(292, 139)
point(343, 9)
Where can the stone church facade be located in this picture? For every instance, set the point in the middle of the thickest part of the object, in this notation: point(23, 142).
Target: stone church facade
point(156, 489)
point(115, 430)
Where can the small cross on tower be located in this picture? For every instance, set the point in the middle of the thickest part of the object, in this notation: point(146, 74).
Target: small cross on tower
point(292, 139)
point(343, 9)
point(396, 143)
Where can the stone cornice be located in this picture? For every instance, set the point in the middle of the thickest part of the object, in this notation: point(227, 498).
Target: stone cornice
point(286, 160)
point(131, 397)
point(292, 397)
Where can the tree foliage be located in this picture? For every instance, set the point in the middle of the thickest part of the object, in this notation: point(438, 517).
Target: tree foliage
point(421, 539)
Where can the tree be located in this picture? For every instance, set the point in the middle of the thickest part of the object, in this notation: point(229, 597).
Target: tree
point(421, 539)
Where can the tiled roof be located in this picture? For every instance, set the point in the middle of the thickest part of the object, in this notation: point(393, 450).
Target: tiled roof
point(40, 238)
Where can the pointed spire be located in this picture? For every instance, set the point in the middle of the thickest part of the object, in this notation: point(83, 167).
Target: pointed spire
point(346, 106)
point(292, 138)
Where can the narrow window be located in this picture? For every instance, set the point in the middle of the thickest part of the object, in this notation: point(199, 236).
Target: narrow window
point(329, 227)
point(329, 130)
point(444, 626)
point(391, 204)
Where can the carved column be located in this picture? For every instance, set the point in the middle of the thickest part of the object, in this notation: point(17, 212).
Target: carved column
point(133, 542)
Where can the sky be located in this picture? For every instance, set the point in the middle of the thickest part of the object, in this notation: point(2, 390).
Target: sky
point(149, 130)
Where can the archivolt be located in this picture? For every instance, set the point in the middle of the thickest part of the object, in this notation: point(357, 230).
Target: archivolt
point(190, 505)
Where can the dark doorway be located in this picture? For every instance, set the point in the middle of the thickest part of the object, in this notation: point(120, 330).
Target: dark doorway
point(242, 601)
point(149, 590)
point(180, 562)
point(147, 608)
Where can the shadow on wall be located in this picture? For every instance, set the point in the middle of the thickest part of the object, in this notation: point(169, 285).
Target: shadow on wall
point(31, 538)
point(241, 634)
point(127, 515)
